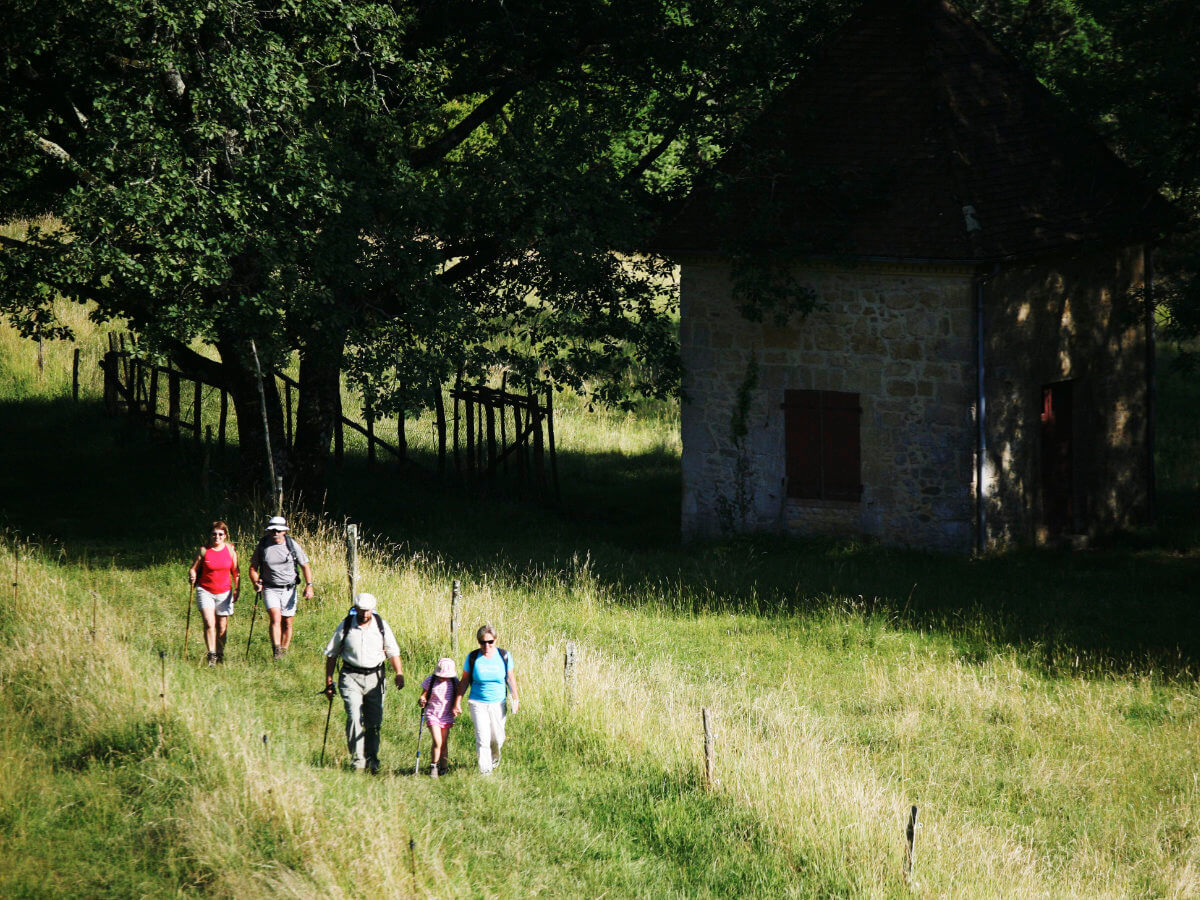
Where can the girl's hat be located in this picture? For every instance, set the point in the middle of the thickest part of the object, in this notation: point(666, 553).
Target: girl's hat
point(445, 668)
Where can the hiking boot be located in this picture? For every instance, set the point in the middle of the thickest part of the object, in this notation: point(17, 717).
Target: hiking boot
point(212, 660)
point(278, 653)
point(220, 659)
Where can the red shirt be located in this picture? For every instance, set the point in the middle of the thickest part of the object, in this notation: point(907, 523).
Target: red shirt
point(216, 572)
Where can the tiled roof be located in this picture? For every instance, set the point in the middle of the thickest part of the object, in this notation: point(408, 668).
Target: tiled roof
point(910, 114)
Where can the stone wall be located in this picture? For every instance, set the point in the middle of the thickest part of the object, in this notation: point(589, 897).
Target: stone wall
point(900, 337)
point(1070, 321)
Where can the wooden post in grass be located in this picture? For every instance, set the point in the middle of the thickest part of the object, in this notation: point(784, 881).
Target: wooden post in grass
point(41, 357)
point(352, 558)
point(95, 601)
point(910, 847)
point(455, 599)
point(709, 758)
point(16, 569)
point(569, 673)
point(370, 438)
point(75, 375)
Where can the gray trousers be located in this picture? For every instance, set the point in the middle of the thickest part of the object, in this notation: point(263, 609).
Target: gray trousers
point(362, 696)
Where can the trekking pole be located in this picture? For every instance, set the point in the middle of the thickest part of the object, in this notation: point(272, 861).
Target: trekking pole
point(187, 630)
point(253, 616)
point(420, 729)
point(328, 692)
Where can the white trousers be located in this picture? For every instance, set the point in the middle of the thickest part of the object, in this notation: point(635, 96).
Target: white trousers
point(489, 731)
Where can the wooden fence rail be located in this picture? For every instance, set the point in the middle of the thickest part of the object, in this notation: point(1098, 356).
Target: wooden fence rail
point(132, 385)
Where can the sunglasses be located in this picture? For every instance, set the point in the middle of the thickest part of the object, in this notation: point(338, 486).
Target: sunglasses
point(492, 641)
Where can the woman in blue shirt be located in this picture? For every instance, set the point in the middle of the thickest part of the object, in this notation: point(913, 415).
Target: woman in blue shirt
point(488, 675)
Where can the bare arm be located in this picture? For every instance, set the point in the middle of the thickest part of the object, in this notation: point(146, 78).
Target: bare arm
point(193, 572)
point(308, 581)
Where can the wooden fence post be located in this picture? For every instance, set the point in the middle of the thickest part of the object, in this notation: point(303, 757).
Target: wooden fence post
point(75, 375)
point(287, 405)
point(152, 403)
point(440, 409)
point(569, 673)
point(352, 559)
point(339, 435)
point(455, 598)
point(550, 437)
point(910, 847)
point(196, 413)
point(709, 752)
point(262, 400)
point(173, 403)
point(205, 460)
point(469, 404)
point(457, 390)
point(370, 438)
point(221, 421)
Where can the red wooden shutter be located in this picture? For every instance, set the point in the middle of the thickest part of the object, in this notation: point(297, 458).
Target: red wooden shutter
point(802, 443)
point(840, 454)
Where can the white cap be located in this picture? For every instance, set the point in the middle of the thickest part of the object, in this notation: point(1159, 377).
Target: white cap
point(277, 523)
point(365, 601)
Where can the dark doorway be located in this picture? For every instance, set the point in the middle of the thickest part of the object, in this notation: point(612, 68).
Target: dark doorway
point(1058, 458)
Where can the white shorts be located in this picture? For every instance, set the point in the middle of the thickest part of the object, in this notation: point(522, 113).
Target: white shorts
point(221, 603)
point(282, 599)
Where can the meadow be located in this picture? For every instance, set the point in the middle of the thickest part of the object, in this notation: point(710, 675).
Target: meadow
point(1040, 707)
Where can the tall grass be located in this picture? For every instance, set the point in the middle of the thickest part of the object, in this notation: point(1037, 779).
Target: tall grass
point(1041, 708)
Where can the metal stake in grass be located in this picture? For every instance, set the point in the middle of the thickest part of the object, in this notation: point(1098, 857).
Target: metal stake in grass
point(910, 847)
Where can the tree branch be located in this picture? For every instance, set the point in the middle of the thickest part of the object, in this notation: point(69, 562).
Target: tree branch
point(436, 150)
point(56, 152)
point(667, 139)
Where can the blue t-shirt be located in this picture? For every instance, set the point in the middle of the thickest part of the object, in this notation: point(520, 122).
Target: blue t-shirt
point(487, 681)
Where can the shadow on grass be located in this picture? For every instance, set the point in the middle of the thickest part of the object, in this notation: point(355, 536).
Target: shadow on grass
point(103, 484)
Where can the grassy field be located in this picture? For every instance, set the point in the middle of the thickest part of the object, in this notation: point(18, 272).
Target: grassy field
point(1041, 708)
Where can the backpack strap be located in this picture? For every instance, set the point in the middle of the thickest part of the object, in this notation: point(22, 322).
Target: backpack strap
point(473, 657)
point(291, 545)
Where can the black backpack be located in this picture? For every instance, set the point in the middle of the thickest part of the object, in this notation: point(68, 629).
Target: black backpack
point(291, 545)
point(474, 655)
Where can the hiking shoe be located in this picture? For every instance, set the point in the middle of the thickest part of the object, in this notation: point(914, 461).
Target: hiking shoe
point(433, 771)
point(220, 659)
point(278, 653)
point(212, 660)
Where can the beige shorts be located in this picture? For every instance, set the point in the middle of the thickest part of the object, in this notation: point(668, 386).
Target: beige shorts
point(222, 604)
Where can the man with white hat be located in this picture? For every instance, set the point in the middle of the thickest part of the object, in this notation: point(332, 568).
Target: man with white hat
point(273, 571)
point(364, 642)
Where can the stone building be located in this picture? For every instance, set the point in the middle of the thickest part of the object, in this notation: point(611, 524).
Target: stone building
point(977, 365)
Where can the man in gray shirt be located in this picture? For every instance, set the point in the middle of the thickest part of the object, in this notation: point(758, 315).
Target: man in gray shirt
point(273, 573)
point(364, 642)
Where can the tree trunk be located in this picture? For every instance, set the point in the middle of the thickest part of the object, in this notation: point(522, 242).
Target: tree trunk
point(316, 414)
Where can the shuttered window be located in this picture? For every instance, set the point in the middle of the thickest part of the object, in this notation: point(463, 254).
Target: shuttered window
point(822, 445)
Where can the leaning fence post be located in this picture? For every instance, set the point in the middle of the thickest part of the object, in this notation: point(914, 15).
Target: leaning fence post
point(352, 558)
point(205, 461)
point(910, 847)
point(569, 672)
point(709, 759)
point(455, 598)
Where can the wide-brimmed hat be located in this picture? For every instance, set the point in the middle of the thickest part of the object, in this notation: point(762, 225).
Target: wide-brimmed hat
point(277, 523)
point(365, 601)
point(445, 668)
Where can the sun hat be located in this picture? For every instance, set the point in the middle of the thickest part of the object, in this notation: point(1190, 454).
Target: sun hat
point(445, 668)
point(277, 523)
point(365, 601)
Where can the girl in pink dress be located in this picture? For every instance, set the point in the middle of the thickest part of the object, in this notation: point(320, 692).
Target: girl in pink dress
point(437, 699)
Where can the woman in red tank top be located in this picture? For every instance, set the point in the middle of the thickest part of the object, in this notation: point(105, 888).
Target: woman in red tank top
point(217, 580)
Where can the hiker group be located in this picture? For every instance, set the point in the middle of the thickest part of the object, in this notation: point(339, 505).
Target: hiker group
point(363, 644)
